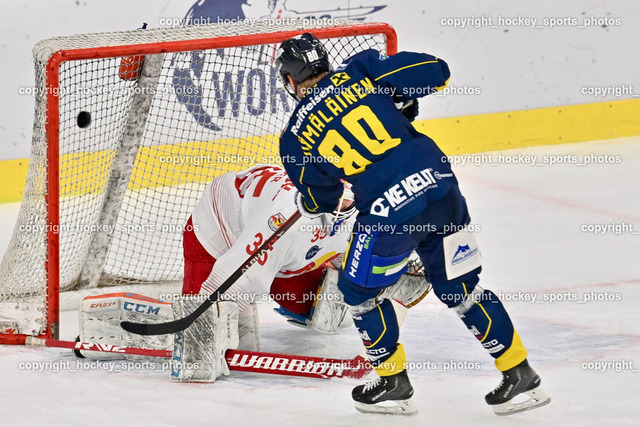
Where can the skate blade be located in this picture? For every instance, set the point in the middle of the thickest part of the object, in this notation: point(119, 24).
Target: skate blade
point(537, 398)
point(388, 407)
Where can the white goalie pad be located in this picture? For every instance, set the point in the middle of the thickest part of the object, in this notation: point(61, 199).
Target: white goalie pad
point(329, 312)
point(100, 317)
point(412, 286)
point(249, 329)
point(198, 351)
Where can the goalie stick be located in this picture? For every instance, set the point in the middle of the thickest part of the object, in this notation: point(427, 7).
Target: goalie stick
point(183, 323)
point(240, 360)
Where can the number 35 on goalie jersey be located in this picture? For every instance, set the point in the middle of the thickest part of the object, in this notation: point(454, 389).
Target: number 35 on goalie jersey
point(348, 122)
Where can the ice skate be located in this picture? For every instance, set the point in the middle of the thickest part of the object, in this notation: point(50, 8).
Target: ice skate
point(517, 382)
point(386, 395)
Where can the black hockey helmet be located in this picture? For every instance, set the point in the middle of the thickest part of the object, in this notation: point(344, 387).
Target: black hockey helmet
point(301, 57)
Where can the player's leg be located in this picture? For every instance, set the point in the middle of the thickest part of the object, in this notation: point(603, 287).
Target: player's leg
point(198, 263)
point(372, 263)
point(452, 261)
point(296, 295)
point(312, 299)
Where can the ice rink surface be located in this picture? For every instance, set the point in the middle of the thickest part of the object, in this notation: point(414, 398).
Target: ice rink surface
point(560, 245)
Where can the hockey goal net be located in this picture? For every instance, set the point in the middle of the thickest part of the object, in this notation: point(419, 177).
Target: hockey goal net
point(128, 129)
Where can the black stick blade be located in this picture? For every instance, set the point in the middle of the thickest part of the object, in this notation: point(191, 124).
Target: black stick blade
point(167, 327)
point(151, 329)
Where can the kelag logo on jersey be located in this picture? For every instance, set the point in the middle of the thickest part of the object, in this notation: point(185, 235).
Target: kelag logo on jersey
point(213, 95)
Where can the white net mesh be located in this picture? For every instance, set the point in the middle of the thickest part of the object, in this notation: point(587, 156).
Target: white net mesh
point(136, 153)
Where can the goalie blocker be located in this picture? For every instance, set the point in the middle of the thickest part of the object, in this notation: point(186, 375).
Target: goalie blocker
point(100, 317)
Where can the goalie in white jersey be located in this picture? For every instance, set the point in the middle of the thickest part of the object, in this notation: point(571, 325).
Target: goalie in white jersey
point(236, 214)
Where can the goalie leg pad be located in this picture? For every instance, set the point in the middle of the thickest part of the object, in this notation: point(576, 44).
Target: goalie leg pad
point(329, 312)
point(249, 329)
point(100, 317)
point(198, 352)
point(412, 286)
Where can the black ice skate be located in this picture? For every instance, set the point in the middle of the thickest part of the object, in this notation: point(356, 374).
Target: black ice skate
point(517, 382)
point(386, 395)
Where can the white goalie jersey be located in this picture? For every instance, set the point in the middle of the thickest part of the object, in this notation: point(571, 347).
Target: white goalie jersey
point(239, 211)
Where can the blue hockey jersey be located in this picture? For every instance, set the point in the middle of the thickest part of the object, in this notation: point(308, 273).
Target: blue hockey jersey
point(348, 127)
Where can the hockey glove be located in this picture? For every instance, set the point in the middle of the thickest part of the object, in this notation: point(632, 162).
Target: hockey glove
point(410, 109)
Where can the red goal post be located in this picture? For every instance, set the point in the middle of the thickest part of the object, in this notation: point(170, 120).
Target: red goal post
point(73, 180)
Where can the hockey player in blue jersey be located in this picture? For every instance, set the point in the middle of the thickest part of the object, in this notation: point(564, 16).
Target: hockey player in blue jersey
point(347, 127)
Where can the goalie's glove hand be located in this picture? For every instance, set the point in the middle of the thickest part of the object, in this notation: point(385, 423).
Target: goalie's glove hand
point(302, 208)
point(410, 109)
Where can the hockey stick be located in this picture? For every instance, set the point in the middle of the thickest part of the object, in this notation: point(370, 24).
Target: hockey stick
point(105, 348)
point(299, 366)
point(183, 323)
point(239, 360)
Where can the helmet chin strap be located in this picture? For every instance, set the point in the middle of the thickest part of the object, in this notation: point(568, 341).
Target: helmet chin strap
point(291, 92)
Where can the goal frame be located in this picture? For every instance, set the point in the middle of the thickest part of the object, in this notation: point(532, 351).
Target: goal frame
point(52, 128)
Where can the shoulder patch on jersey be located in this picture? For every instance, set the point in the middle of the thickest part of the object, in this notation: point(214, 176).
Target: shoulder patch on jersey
point(338, 78)
point(312, 251)
point(383, 56)
point(276, 221)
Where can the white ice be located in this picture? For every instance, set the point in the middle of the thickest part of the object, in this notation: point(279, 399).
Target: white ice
point(585, 343)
